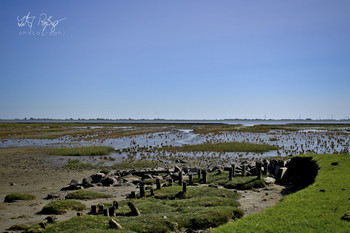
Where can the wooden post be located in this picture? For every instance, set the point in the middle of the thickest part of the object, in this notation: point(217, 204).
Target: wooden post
point(152, 192)
point(204, 177)
point(258, 169)
point(134, 210)
point(100, 208)
point(243, 169)
point(190, 177)
point(93, 209)
point(158, 184)
point(105, 212)
point(116, 205)
point(113, 224)
point(132, 194)
point(142, 191)
point(233, 170)
point(230, 172)
point(180, 177)
point(184, 187)
point(111, 211)
point(171, 182)
point(199, 174)
point(266, 167)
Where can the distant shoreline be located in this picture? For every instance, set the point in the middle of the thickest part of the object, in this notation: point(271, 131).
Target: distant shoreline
point(246, 122)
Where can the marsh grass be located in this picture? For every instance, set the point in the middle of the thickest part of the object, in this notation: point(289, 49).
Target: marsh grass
point(224, 147)
point(317, 208)
point(76, 164)
point(19, 196)
point(83, 151)
point(201, 208)
point(62, 206)
point(87, 195)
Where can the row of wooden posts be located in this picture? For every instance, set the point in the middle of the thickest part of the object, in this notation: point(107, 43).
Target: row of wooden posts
point(100, 209)
point(201, 175)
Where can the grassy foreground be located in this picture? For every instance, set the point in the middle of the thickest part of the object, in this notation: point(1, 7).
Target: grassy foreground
point(225, 147)
point(83, 151)
point(318, 208)
point(199, 208)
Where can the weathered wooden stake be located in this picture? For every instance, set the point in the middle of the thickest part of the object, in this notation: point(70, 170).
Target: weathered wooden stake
point(93, 209)
point(152, 192)
point(134, 210)
point(266, 168)
point(116, 205)
point(132, 194)
point(171, 182)
point(159, 186)
point(111, 211)
point(190, 179)
point(100, 208)
point(243, 170)
point(230, 172)
point(258, 169)
point(184, 187)
point(180, 177)
point(105, 212)
point(113, 224)
point(233, 170)
point(204, 175)
point(142, 191)
point(199, 174)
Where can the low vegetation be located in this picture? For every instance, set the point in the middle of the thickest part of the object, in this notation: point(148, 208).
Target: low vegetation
point(87, 195)
point(317, 208)
point(164, 212)
point(83, 151)
point(76, 164)
point(18, 196)
point(224, 147)
point(62, 206)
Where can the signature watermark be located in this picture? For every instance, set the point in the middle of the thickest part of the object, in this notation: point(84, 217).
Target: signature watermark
point(44, 25)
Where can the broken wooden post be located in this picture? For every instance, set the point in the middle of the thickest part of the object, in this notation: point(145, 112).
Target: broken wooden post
point(204, 175)
point(233, 170)
point(230, 172)
point(116, 205)
point(258, 170)
point(180, 177)
point(111, 211)
point(158, 184)
point(170, 182)
point(184, 187)
point(199, 174)
point(93, 209)
point(134, 210)
point(266, 167)
point(114, 225)
point(105, 212)
point(243, 170)
point(132, 194)
point(190, 179)
point(100, 208)
point(152, 192)
point(142, 191)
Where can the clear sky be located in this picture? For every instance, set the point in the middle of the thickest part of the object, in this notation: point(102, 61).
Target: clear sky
point(183, 59)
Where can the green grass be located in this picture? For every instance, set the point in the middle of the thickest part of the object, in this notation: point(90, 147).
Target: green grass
point(62, 206)
point(308, 210)
point(201, 208)
point(76, 164)
point(87, 195)
point(224, 147)
point(83, 151)
point(18, 196)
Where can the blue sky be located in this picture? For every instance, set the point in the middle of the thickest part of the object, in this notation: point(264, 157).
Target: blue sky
point(185, 59)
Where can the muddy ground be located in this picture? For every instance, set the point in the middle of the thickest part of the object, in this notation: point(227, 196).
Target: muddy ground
point(31, 170)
